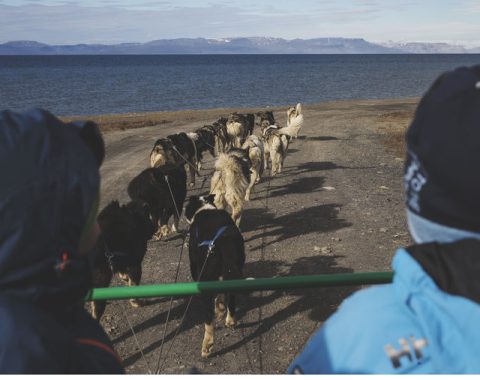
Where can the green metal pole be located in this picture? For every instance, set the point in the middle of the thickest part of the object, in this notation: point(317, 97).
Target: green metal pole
point(239, 286)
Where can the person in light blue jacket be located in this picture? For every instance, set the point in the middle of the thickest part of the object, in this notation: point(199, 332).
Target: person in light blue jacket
point(427, 320)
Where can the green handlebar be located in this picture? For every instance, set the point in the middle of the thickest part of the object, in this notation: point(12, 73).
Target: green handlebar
point(239, 286)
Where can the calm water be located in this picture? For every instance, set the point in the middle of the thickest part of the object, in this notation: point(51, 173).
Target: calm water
point(87, 85)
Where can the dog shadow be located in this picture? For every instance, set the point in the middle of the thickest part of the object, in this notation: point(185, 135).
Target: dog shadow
point(316, 219)
point(318, 138)
point(293, 150)
point(193, 319)
point(309, 167)
point(322, 138)
point(302, 185)
point(319, 303)
point(194, 314)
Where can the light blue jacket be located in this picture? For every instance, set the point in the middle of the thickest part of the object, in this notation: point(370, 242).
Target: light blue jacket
point(409, 326)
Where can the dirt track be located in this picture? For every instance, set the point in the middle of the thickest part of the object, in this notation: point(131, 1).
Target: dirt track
point(336, 208)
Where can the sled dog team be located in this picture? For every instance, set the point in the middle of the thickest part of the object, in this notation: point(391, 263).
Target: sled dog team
point(216, 245)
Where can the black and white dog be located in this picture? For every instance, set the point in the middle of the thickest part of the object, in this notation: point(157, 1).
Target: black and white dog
point(173, 151)
point(155, 187)
point(125, 231)
point(266, 116)
point(204, 139)
point(221, 136)
point(217, 252)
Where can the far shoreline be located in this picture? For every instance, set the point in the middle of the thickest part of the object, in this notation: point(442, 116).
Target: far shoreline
point(132, 120)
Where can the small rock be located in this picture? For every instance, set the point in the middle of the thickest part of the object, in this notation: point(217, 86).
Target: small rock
point(316, 248)
point(280, 348)
point(384, 187)
point(328, 188)
point(336, 239)
point(182, 366)
point(326, 249)
point(383, 229)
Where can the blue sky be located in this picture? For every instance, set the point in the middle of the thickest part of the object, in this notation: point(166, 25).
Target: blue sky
point(114, 21)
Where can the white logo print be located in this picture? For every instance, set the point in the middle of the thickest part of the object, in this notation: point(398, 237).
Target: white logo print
point(414, 181)
point(405, 350)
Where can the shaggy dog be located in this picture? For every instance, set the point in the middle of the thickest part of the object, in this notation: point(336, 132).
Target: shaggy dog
point(294, 121)
point(217, 252)
point(152, 188)
point(173, 151)
point(275, 146)
point(266, 116)
point(204, 140)
point(239, 126)
point(230, 181)
point(121, 247)
point(221, 135)
point(255, 148)
point(212, 138)
point(276, 139)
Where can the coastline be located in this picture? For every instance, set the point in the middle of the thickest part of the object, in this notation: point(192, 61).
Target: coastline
point(124, 121)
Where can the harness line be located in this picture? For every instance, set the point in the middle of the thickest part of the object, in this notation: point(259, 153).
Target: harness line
point(109, 255)
point(157, 368)
point(187, 161)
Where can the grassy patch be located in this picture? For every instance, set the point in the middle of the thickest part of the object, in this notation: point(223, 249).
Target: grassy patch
point(393, 126)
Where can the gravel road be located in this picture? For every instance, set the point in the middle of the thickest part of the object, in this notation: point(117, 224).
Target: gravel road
point(336, 208)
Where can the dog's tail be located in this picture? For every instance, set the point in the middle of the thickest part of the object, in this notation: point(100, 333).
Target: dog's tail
point(194, 138)
point(293, 126)
point(255, 152)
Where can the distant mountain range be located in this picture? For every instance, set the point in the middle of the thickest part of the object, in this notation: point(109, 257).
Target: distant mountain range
point(251, 45)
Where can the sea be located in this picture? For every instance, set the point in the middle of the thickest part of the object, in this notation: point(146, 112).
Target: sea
point(110, 84)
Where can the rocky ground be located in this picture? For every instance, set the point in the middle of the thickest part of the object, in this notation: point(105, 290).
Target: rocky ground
point(336, 208)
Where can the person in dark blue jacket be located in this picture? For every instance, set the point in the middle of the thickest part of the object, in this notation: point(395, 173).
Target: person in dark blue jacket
point(426, 321)
point(49, 194)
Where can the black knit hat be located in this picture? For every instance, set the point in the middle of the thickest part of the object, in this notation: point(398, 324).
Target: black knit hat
point(442, 168)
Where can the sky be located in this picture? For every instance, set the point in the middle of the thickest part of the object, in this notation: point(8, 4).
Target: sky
point(116, 21)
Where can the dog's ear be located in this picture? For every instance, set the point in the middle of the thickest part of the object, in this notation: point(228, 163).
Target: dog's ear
point(210, 198)
point(299, 109)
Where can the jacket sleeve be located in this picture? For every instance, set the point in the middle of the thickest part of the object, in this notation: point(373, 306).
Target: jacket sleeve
point(36, 342)
point(94, 352)
point(30, 343)
point(315, 358)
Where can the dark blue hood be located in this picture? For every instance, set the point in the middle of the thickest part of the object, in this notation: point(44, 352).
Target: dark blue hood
point(49, 182)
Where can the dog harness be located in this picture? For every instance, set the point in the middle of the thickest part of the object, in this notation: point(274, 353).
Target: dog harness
point(113, 257)
point(211, 243)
